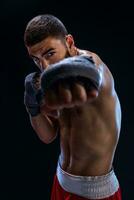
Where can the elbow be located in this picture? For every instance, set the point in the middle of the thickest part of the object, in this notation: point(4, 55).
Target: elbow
point(45, 137)
point(46, 140)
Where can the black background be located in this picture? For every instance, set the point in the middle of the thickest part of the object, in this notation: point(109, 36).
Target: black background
point(28, 165)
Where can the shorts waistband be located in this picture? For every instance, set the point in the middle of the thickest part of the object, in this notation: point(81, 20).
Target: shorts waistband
point(92, 187)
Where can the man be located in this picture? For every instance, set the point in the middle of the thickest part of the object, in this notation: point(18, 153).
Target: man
point(88, 120)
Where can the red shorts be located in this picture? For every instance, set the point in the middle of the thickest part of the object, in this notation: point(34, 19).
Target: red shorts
point(58, 193)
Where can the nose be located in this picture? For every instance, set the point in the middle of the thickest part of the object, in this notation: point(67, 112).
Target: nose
point(44, 64)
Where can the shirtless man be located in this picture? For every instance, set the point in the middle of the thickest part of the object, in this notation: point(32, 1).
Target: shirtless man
point(88, 121)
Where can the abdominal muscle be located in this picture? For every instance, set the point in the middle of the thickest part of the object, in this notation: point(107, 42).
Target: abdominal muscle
point(87, 142)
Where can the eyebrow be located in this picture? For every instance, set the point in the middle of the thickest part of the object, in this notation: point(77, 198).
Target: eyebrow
point(45, 52)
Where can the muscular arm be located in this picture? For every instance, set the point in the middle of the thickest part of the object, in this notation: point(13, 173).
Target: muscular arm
point(42, 118)
point(45, 127)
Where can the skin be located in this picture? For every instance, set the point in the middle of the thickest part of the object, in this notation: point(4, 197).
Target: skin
point(89, 121)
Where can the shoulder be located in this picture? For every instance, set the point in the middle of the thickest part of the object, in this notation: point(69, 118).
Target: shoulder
point(94, 56)
point(108, 80)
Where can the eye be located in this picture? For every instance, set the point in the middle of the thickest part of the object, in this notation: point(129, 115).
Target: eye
point(36, 61)
point(49, 54)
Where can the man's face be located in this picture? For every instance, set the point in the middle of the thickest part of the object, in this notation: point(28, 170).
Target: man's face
point(48, 51)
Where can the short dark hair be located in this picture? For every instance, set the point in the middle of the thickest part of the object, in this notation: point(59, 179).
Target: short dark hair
point(42, 26)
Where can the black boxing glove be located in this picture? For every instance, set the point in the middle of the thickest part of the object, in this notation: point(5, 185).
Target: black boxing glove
point(77, 68)
point(32, 94)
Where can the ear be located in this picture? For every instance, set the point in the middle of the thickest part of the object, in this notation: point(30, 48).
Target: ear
point(69, 41)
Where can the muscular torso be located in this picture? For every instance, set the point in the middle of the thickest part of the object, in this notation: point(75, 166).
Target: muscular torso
point(89, 133)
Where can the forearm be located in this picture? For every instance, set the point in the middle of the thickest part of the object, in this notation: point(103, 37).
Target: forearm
point(44, 127)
